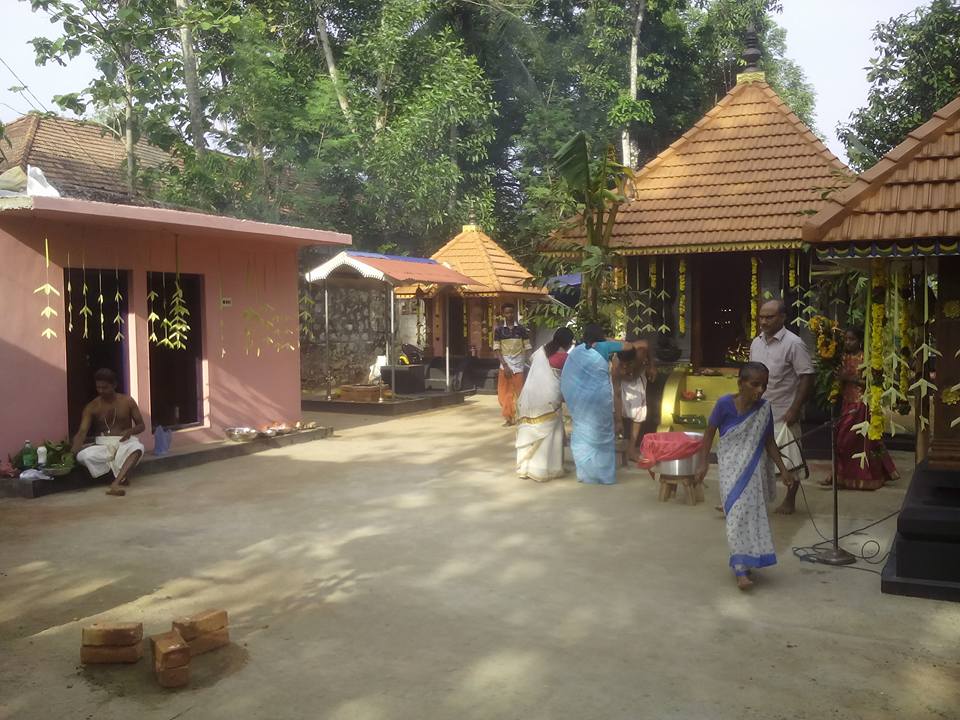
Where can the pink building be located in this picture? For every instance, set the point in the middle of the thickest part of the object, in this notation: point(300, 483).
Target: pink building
point(239, 363)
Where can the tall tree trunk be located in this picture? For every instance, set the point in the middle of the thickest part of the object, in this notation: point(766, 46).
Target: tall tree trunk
point(128, 143)
point(332, 68)
point(628, 148)
point(190, 80)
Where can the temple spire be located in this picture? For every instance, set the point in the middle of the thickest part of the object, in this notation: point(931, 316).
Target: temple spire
point(751, 58)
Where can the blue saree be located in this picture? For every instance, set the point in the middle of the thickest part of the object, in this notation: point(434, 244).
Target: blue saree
point(746, 482)
point(588, 392)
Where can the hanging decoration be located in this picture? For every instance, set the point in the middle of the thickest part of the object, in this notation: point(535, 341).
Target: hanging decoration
point(177, 327)
point(69, 297)
point(792, 272)
point(47, 289)
point(652, 272)
point(754, 295)
point(682, 302)
point(421, 339)
point(100, 302)
point(878, 286)
point(118, 299)
point(904, 331)
point(466, 320)
point(827, 361)
point(85, 311)
point(490, 323)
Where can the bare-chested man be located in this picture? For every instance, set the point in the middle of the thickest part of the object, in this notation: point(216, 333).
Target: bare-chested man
point(115, 419)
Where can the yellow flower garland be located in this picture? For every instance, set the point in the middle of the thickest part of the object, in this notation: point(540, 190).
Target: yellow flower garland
point(877, 321)
point(682, 309)
point(793, 270)
point(754, 295)
point(652, 271)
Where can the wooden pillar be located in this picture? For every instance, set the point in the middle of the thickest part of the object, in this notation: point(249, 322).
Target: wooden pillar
point(945, 446)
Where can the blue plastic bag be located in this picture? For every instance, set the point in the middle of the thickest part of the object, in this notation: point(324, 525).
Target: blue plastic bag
point(162, 437)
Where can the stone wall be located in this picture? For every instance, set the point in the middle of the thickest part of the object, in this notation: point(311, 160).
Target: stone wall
point(358, 330)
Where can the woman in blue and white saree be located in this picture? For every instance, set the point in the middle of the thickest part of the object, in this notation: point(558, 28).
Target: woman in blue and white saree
point(746, 454)
point(588, 391)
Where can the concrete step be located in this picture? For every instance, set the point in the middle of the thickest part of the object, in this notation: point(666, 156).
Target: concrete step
point(177, 459)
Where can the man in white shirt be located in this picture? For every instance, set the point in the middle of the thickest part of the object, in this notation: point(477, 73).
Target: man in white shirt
point(791, 381)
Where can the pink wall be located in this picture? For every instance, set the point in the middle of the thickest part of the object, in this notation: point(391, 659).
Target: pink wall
point(240, 388)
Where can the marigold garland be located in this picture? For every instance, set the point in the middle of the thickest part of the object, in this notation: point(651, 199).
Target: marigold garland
point(652, 272)
point(877, 321)
point(827, 334)
point(754, 295)
point(792, 280)
point(682, 309)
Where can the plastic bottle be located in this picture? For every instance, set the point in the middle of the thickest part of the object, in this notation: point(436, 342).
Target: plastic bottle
point(41, 456)
point(29, 455)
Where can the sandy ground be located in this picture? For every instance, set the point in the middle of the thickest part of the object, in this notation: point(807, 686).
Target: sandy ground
point(400, 570)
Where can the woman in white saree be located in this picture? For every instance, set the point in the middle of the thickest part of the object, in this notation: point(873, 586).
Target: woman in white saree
point(539, 416)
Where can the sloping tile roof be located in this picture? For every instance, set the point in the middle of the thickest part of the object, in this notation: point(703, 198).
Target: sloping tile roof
point(912, 193)
point(390, 268)
point(475, 254)
point(81, 159)
point(742, 178)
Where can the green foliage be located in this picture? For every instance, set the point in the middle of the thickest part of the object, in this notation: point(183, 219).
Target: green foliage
point(443, 108)
point(916, 71)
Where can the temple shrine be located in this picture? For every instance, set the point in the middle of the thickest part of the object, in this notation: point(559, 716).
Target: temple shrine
point(900, 221)
point(433, 317)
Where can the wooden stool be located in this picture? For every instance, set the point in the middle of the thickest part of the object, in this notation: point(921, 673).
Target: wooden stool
point(692, 488)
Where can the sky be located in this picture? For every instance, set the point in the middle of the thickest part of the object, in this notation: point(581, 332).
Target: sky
point(829, 39)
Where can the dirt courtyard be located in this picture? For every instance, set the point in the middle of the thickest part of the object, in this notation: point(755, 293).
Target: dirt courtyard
point(399, 570)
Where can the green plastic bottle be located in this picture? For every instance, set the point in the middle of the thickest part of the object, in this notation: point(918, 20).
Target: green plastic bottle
point(29, 455)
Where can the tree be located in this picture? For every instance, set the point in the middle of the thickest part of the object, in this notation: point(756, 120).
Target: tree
point(126, 40)
point(915, 73)
point(598, 187)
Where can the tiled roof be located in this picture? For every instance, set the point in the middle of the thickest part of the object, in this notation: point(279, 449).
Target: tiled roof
point(912, 193)
point(476, 255)
point(744, 177)
point(81, 159)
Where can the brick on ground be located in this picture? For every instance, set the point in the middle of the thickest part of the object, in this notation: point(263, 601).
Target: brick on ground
point(170, 650)
point(174, 677)
point(203, 622)
point(209, 641)
point(103, 654)
point(105, 634)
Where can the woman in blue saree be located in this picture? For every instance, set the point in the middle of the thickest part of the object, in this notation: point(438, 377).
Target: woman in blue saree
point(587, 390)
point(745, 456)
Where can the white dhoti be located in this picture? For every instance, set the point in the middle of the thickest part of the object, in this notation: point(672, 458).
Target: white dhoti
point(109, 453)
point(787, 438)
point(633, 399)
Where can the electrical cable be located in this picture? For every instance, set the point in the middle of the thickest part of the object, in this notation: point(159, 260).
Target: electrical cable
point(808, 553)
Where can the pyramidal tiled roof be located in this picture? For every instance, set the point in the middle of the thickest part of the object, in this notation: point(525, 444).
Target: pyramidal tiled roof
point(912, 193)
point(476, 255)
point(80, 159)
point(744, 177)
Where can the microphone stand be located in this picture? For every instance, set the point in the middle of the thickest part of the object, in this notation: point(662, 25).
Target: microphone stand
point(834, 555)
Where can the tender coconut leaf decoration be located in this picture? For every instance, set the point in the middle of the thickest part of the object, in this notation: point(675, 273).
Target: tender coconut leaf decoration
point(100, 301)
point(47, 289)
point(118, 299)
point(85, 312)
point(69, 297)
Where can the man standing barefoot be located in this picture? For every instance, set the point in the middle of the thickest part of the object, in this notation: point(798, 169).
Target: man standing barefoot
point(791, 380)
point(115, 418)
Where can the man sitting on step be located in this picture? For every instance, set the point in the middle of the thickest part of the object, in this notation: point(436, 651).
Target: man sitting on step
point(116, 419)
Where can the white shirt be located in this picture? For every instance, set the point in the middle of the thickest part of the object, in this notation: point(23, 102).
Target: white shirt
point(787, 358)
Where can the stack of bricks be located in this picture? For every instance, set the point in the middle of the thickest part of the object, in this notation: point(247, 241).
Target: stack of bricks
point(112, 643)
point(171, 659)
point(204, 631)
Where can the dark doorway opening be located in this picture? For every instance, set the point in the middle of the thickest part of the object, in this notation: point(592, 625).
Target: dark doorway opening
point(458, 327)
point(102, 347)
point(176, 375)
point(724, 300)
